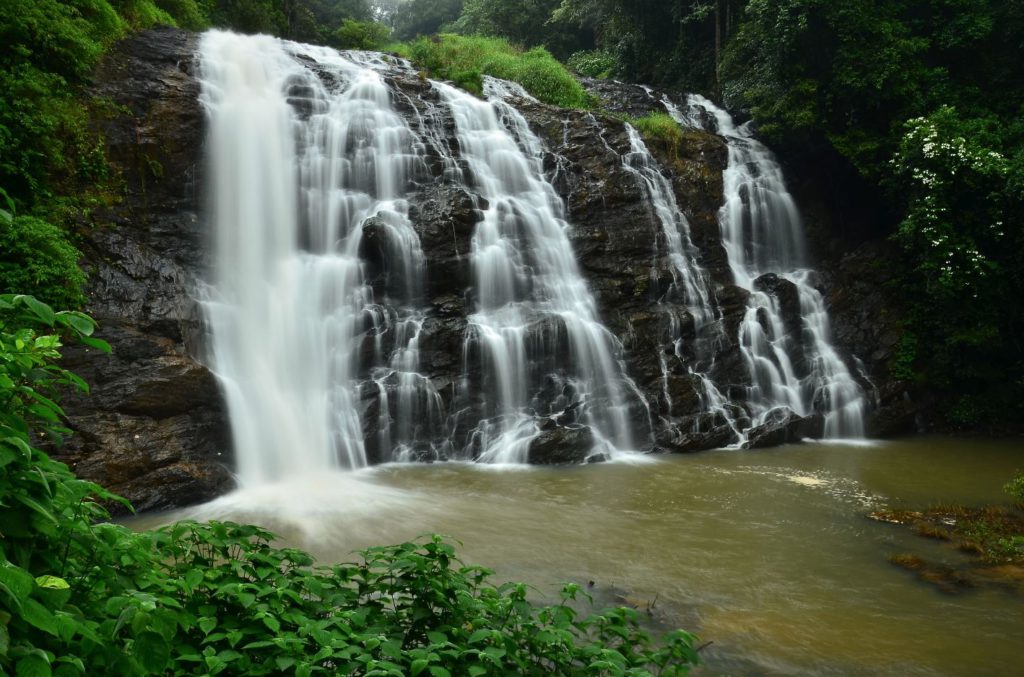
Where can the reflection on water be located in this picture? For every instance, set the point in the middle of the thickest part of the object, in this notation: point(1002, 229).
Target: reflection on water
point(767, 553)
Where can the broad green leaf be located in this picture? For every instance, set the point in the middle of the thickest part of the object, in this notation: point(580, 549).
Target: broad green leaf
point(16, 582)
point(152, 651)
point(479, 635)
point(80, 322)
point(66, 626)
point(39, 309)
point(194, 577)
point(262, 644)
point(52, 582)
point(36, 505)
point(21, 445)
point(8, 454)
point(98, 344)
point(39, 616)
point(33, 665)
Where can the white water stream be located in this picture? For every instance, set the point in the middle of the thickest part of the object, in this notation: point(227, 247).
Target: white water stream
point(311, 173)
point(691, 285)
point(762, 233)
point(297, 174)
point(535, 322)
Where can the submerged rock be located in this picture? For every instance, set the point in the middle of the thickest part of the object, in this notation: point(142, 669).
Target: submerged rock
point(989, 534)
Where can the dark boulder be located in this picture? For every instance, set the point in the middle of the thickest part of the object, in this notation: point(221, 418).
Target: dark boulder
point(559, 446)
point(783, 426)
point(898, 411)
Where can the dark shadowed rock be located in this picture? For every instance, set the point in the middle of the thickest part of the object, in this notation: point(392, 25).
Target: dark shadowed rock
point(154, 427)
point(557, 446)
point(787, 296)
point(688, 440)
point(898, 411)
point(783, 426)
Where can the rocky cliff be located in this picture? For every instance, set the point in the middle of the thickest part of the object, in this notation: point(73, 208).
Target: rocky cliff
point(154, 428)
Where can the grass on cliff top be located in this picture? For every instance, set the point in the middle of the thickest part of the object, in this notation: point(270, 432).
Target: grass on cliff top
point(658, 126)
point(465, 60)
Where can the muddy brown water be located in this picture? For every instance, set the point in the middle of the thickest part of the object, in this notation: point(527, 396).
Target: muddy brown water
point(767, 554)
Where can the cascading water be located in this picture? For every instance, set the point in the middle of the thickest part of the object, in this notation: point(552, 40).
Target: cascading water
point(298, 174)
point(690, 287)
point(535, 328)
point(316, 304)
point(796, 368)
point(313, 307)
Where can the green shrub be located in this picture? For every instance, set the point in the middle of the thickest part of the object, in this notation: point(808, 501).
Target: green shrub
point(901, 365)
point(47, 515)
point(360, 35)
point(465, 60)
point(188, 14)
point(50, 50)
point(658, 126)
point(140, 14)
point(595, 63)
point(36, 257)
point(1015, 488)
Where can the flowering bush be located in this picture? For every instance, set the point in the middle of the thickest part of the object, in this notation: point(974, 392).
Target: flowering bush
point(955, 219)
point(961, 232)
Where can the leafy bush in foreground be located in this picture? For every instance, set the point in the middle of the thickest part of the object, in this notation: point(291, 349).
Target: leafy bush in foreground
point(82, 597)
point(465, 60)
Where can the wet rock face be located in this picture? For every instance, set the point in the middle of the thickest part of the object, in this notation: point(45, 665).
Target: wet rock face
point(153, 428)
point(697, 433)
point(867, 312)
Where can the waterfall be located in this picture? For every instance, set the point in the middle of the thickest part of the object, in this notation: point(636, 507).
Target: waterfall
point(690, 288)
point(313, 300)
point(301, 177)
point(791, 367)
point(334, 349)
point(535, 325)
